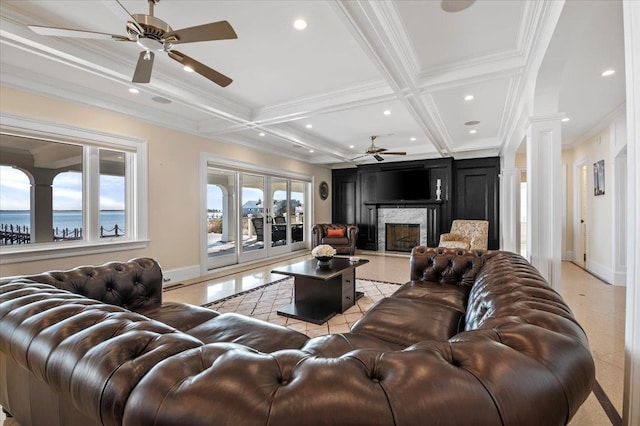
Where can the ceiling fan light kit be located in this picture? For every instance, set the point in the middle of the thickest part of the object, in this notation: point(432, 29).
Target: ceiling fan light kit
point(376, 151)
point(154, 35)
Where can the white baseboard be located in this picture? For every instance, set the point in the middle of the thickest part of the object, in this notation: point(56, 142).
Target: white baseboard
point(620, 278)
point(601, 271)
point(181, 274)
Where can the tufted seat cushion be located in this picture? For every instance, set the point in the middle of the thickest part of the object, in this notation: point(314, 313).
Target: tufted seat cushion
point(408, 321)
point(260, 335)
point(453, 295)
point(334, 345)
point(180, 316)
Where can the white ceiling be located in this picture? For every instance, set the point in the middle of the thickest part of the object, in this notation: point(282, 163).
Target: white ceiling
point(354, 60)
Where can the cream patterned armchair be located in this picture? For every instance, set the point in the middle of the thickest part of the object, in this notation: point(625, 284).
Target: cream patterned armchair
point(466, 234)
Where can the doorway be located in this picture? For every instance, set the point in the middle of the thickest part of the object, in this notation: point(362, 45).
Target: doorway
point(581, 215)
point(251, 215)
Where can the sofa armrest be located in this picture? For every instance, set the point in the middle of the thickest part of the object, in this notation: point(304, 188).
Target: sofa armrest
point(452, 236)
point(316, 235)
point(352, 234)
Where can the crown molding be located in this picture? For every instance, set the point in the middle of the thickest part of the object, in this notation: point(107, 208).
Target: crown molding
point(597, 128)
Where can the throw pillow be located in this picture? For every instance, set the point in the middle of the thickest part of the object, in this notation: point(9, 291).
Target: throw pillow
point(335, 233)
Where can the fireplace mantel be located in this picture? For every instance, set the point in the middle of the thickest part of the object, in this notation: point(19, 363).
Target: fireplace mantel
point(403, 203)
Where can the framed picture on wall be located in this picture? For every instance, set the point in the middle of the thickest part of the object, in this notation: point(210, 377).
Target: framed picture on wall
point(598, 178)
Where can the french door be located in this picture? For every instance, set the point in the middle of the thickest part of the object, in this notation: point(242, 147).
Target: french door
point(252, 216)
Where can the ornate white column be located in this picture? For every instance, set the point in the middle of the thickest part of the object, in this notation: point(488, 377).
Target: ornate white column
point(509, 211)
point(544, 196)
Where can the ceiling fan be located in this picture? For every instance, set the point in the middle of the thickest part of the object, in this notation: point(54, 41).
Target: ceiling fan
point(154, 35)
point(376, 152)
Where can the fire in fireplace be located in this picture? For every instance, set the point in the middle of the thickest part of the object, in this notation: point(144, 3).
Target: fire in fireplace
point(401, 236)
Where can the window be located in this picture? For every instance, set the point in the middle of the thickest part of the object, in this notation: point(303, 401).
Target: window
point(67, 191)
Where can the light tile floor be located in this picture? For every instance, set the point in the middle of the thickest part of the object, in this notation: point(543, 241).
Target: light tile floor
point(599, 308)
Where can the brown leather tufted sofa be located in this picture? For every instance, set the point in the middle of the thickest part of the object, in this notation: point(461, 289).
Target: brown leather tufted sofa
point(472, 338)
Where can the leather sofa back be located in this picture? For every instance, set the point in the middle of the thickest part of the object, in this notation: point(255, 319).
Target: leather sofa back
point(447, 266)
point(132, 285)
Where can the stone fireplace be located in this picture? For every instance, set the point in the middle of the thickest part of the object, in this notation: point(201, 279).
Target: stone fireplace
point(416, 217)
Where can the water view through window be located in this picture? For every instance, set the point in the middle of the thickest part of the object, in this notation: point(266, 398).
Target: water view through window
point(41, 192)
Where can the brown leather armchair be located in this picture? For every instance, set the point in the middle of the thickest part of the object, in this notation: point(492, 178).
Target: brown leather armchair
point(339, 236)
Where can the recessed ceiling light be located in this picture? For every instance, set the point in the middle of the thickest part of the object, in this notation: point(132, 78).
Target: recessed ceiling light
point(261, 133)
point(311, 151)
point(308, 126)
point(473, 132)
point(188, 68)
point(565, 119)
point(412, 139)
point(387, 112)
point(133, 90)
point(453, 6)
point(472, 123)
point(351, 146)
point(299, 24)
point(468, 98)
point(607, 73)
point(161, 100)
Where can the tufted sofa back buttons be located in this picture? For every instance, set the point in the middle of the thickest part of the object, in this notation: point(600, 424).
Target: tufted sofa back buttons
point(134, 285)
point(447, 266)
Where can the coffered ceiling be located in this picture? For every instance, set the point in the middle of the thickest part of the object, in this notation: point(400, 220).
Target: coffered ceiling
point(325, 89)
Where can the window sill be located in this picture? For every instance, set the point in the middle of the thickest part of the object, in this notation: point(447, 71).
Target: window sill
point(34, 252)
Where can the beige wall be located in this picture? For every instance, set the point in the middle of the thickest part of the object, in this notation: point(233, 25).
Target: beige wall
point(600, 208)
point(173, 179)
point(567, 160)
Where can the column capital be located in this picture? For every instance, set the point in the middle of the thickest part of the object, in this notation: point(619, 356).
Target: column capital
point(544, 118)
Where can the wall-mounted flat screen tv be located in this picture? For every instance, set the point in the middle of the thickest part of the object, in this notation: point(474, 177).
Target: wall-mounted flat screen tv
point(403, 185)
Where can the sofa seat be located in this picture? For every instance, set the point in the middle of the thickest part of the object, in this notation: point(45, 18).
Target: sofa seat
point(335, 345)
point(259, 335)
point(408, 321)
point(452, 295)
point(181, 316)
point(335, 241)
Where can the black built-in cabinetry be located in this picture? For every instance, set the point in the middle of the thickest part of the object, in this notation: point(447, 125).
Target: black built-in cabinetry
point(470, 190)
point(476, 193)
point(343, 201)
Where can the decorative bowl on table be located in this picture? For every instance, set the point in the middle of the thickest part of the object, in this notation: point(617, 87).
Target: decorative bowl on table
point(323, 253)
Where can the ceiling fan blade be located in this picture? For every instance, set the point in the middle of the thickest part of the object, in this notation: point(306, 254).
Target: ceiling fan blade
point(221, 30)
point(128, 18)
point(395, 153)
point(377, 157)
point(66, 32)
point(144, 67)
point(205, 71)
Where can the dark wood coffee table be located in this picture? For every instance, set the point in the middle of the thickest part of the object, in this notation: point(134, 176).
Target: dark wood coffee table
point(321, 292)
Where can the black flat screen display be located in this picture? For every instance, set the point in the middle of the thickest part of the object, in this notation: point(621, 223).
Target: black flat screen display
point(403, 185)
